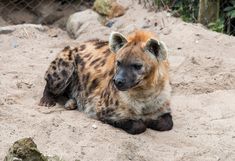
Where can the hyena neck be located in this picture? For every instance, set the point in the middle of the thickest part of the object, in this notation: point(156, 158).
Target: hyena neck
point(145, 92)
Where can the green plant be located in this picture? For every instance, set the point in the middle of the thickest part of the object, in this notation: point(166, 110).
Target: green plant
point(188, 10)
point(230, 10)
point(217, 26)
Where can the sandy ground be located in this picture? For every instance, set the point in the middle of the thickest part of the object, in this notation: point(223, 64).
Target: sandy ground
point(203, 99)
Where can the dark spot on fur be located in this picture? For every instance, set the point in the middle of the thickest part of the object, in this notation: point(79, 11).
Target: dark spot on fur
point(85, 79)
point(107, 52)
point(55, 75)
point(82, 65)
point(111, 72)
point(75, 49)
point(111, 101)
point(89, 58)
point(106, 112)
point(102, 62)
point(48, 78)
point(106, 102)
point(64, 73)
point(78, 82)
point(53, 62)
point(99, 44)
point(65, 64)
point(53, 67)
point(116, 103)
point(95, 61)
point(70, 55)
point(58, 85)
point(105, 74)
point(78, 59)
point(94, 84)
point(86, 56)
point(60, 60)
point(82, 47)
point(66, 48)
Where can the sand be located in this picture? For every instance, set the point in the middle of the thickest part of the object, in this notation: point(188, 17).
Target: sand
point(203, 98)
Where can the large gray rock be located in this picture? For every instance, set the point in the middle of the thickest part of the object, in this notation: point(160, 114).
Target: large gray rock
point(85, 25)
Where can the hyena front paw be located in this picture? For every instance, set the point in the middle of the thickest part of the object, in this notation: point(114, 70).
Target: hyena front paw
point(163, 123)
point(131, 126)
point(47, 101)
point(135, 127)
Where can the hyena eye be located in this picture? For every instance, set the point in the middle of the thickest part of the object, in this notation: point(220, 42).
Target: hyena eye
point(137, 66)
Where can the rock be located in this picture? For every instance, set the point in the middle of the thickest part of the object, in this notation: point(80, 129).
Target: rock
point(109, 8)
point(85, 25)
point(6, 30)
point(94, 126)
point(78, 19)
point(26, 150)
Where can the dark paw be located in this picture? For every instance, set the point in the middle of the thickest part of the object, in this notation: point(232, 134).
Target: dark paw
point(131, 126)
point(163, 123)
point(135, 127)
point(48, 102)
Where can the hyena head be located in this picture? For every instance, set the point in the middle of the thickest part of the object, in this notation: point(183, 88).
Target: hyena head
point(138, 57)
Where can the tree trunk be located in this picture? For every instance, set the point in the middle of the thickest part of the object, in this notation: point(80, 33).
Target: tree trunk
point(208, 11)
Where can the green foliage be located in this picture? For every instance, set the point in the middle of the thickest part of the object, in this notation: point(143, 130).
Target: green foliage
point(188, 10)
point(217, 26)
point(230, 10)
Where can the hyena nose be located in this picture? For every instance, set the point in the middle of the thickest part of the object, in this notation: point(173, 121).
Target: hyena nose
point(119, 82)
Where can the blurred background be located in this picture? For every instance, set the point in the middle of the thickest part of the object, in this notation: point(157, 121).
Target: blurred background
point(217, 15)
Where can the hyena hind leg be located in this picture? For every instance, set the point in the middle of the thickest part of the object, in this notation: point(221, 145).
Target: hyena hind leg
point(48, 99)
point(58, 77)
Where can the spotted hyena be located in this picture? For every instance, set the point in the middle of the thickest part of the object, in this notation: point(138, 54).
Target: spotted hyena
point(123, 82)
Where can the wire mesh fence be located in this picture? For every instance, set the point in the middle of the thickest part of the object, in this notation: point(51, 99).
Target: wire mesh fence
point(33, 5)
point(39, 11)
point(50, 11)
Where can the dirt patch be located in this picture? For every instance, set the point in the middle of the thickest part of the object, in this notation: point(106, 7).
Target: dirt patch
point(199, 75)
point(202, 76)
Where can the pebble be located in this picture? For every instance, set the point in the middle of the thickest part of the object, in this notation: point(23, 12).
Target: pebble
point(94, 126)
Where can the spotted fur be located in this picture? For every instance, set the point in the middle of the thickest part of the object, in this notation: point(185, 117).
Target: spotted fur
point(85, 75)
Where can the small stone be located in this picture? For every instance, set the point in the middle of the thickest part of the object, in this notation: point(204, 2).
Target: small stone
point(94, 126)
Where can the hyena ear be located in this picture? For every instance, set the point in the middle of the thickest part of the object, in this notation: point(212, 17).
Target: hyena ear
point(156, 48)
point(116, 41)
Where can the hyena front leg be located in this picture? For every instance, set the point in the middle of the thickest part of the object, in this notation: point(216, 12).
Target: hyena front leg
point(58, 77)
point(119, 120)
point(163, 123)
